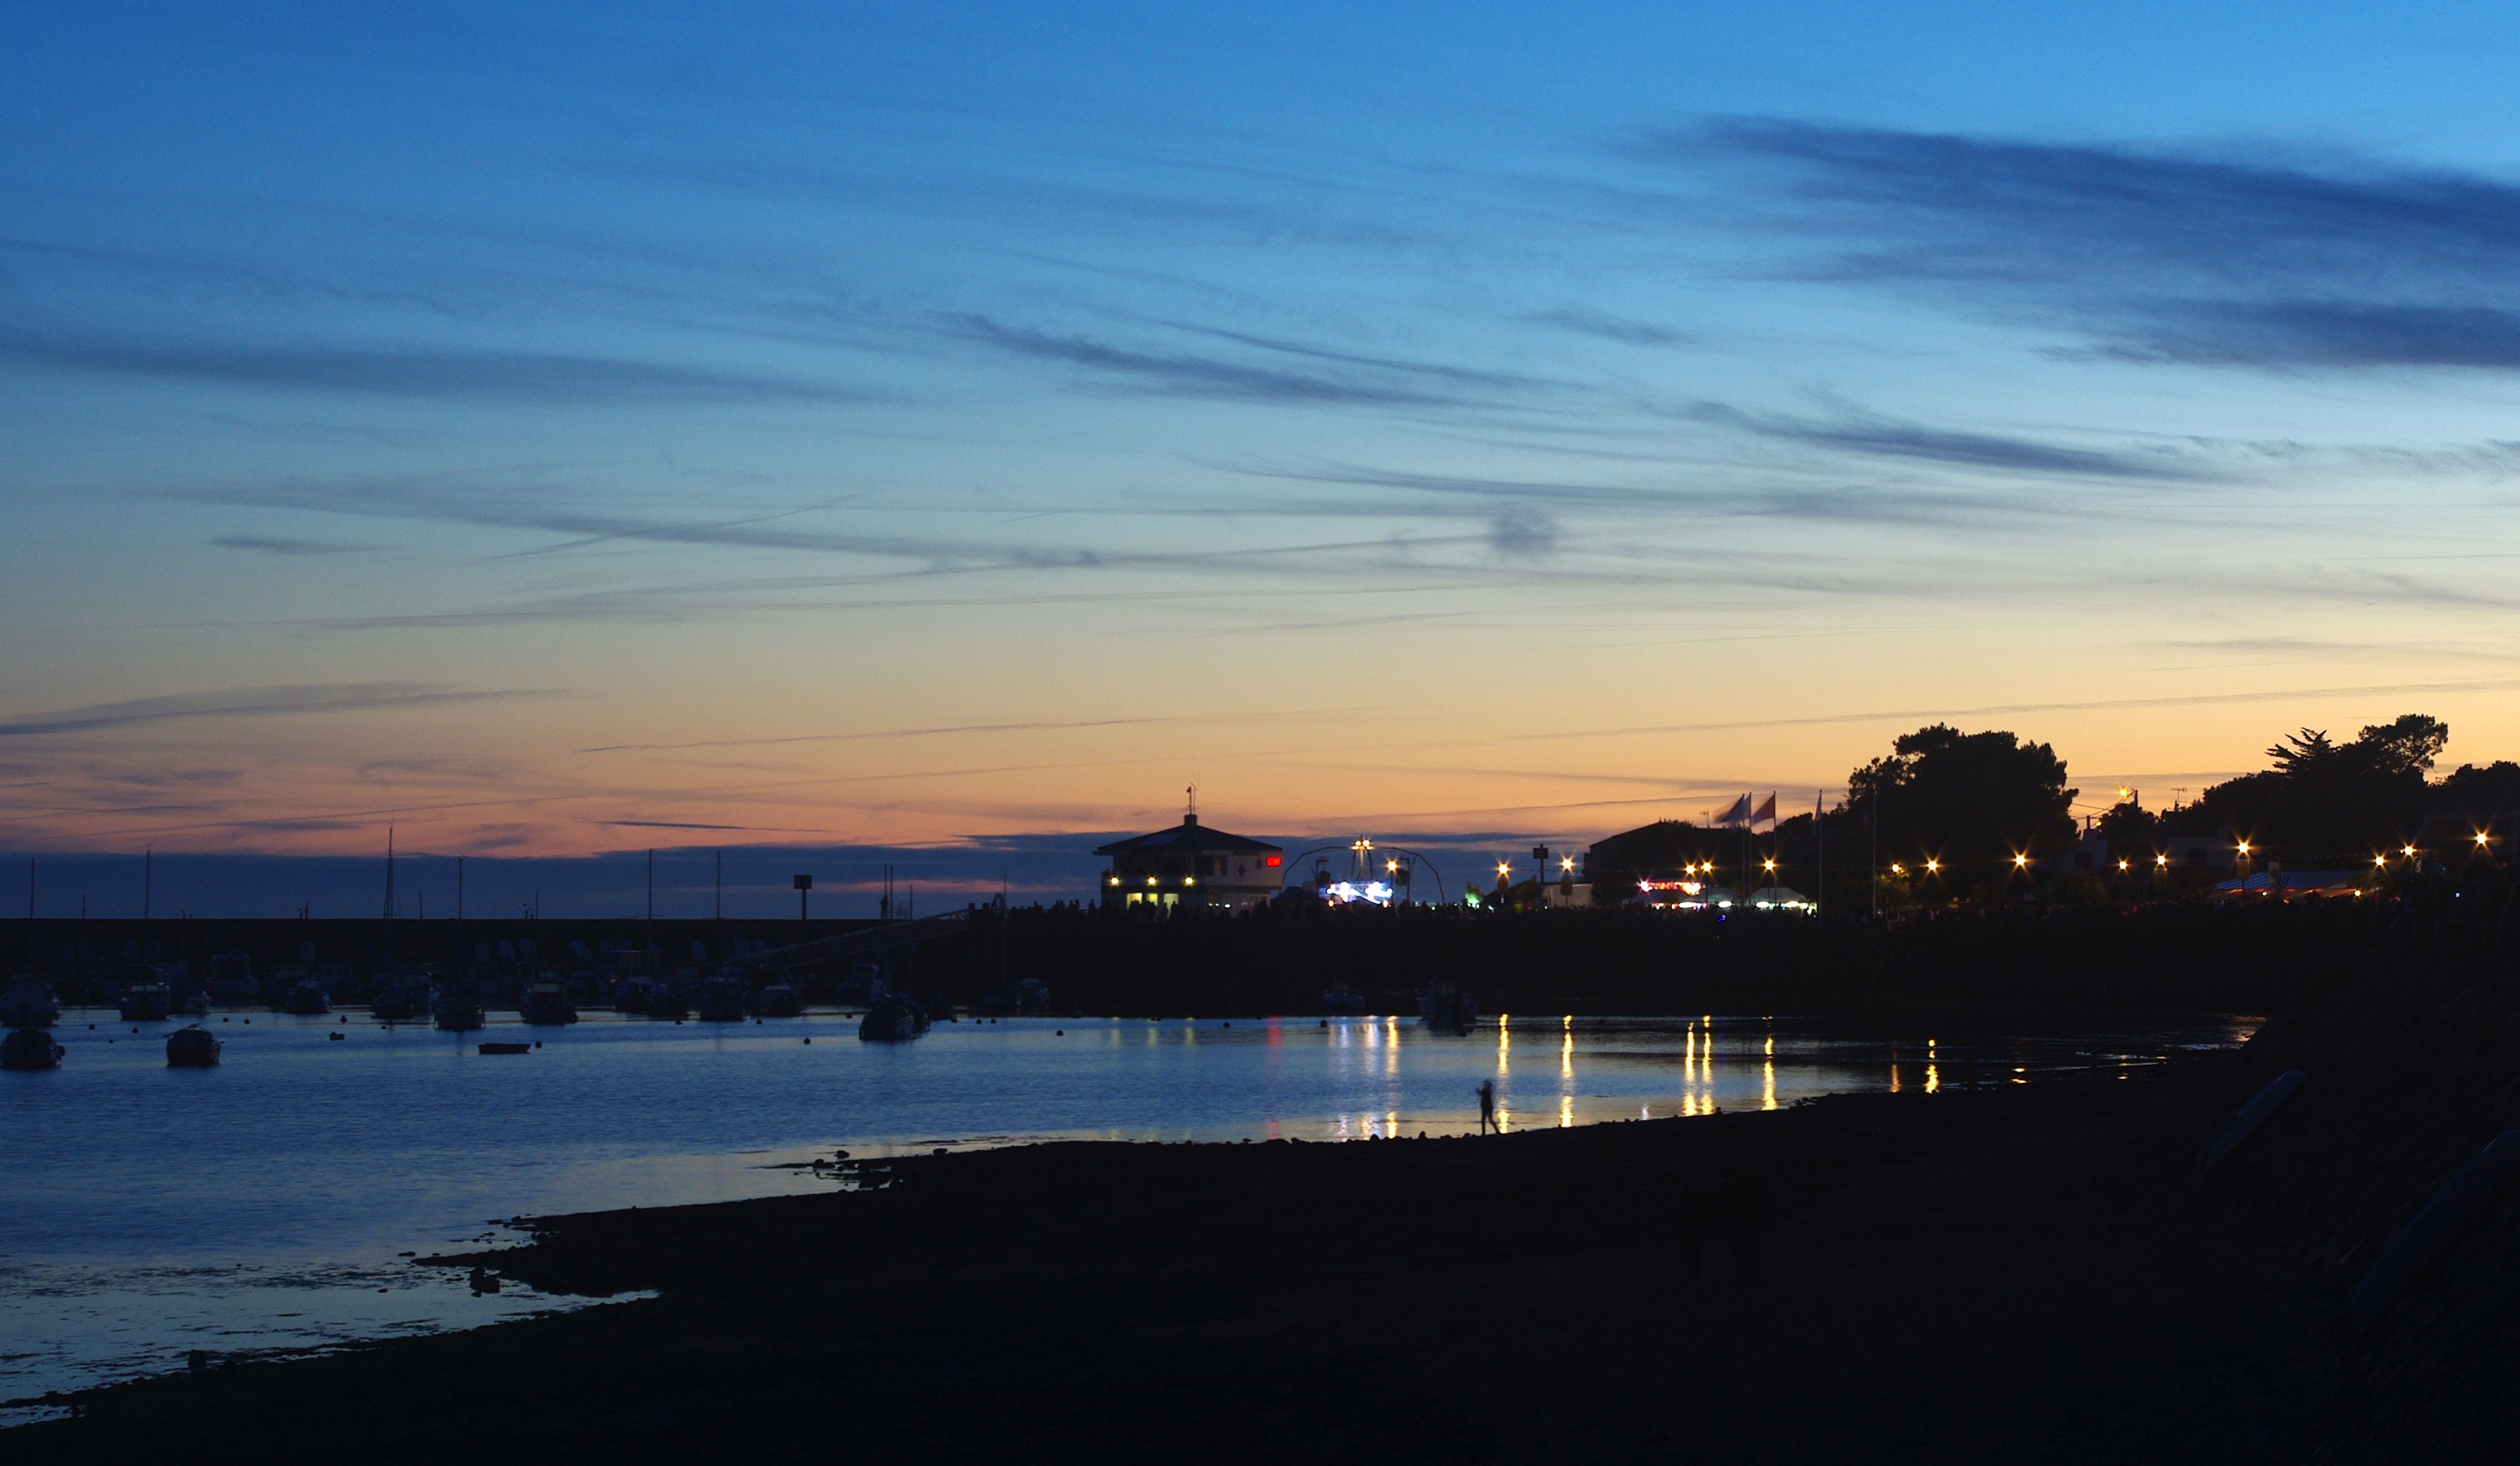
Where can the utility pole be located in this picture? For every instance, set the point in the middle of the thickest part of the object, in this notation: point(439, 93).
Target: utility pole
point(717, 898)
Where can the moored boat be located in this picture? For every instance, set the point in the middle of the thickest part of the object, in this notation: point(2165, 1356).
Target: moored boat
point(146, 1002)
point(722, 999)
point(305, 997)
point(545, 1001)
point(232, 982)
point(26, 1003)
point(455, 1008)
point(192, 1046)
point(1339, 1000)
point(891, 1018)
point(1446, 1008)
point(30, 1048)
point(778, 1000)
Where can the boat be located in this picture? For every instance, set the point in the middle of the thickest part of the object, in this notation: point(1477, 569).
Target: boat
point(232, 982)
point(779, 1000)
point(183, 995)
point(631, 995)
point(546, 1001)
point(1446, 1008)
point(26, 1003)
point(722, 999)
point(666, 1001)
point(506, 1048)
point(30, 1048)
point(891, 1018)
point(455, 1008)
point(146, 1002)
point(1340, 1000)
point(192, 1046)
point(400, 997)
point(305, 997)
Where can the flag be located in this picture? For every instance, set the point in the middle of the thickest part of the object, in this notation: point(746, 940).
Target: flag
point(1767, 812)
point(1739, 815)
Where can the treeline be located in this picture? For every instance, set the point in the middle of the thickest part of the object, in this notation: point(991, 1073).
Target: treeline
point(1986, 812)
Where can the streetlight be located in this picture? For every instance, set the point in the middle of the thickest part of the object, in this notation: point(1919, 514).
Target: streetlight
point(1932, 866)
point(2161, 861)
point(1897, 869)
point(2406, 851)
point(2122, 865)
point(2020, 861)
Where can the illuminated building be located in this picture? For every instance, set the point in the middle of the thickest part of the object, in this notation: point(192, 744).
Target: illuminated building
point(1192, 865)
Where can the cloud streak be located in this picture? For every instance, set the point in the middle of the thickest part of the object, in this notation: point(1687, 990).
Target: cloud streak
point(543, 379)
point(250, 702)
point(2224, 260)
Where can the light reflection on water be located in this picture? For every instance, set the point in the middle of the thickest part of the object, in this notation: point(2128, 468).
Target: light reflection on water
point(137, 1190)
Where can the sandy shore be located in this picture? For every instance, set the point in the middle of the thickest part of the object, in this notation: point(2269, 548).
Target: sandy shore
point(2013, 1273)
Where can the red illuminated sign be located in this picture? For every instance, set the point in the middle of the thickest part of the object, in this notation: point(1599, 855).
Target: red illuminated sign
point(1272, 861)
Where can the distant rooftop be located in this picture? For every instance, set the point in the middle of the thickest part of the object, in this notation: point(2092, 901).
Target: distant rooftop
point(1190, 838)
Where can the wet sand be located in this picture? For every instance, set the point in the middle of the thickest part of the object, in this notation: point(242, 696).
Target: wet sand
point(2011, 1273)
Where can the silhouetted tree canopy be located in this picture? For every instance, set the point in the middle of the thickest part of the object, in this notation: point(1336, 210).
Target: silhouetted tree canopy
point(1971, 800)
point(2329, 801)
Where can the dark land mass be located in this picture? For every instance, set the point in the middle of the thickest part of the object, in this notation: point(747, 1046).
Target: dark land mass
point(2016, 1271)
point(2082, 961)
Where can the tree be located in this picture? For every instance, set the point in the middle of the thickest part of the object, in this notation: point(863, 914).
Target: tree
point(1972, 800)
point(2335, 801)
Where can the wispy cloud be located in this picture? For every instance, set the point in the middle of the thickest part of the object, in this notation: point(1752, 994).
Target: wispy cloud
point(249, 702)
point(1368, 383)
point(545, 379)
point(1888, 437)
point(281, 544)
point(2222, 259)
point(1593, 323)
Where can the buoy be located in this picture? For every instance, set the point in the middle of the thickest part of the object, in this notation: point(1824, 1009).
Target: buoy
point(1062, 1032)
point(809, 1041)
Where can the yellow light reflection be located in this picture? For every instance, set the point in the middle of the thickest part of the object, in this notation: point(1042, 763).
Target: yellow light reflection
point(1565, 1111)
point(1566, 1057)
point(1767, 1085)
point(1933, 1079)
point(1894, 1077)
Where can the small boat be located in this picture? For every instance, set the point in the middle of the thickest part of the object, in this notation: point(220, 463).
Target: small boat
point(666, 999)
point(891, 1018)
point(30, 1048)
point(724, 1000)
point(232, 980)
point(506, 1048)
point(146, 1002)
point(305, 997)
point(1446, 1008)
point(546, 1001)
point(399, 999)
point(184, 995)
point(778, 1000)
point(456, 1009)
point(1340, 1000)
point(192, 1047)
point(28, 1004)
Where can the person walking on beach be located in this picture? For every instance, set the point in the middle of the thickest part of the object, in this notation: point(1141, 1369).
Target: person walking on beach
point(1487, 1108)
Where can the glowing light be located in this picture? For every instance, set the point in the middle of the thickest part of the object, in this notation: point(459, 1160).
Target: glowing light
point(2020, 863)
point(1897, 869)
point(1151, 880)
point(2161, 859)
point(1189, 880)
point(2244, 847)
point(2122, 865)
point(1768, 865)
point(2380, 861)
point(1933, 865)
point(1567, 862)
point(1392, 866)
point(2480, 836)
point(1115, 880)
point(2406, 851)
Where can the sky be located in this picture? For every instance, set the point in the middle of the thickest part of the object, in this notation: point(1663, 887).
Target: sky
point(945, 431)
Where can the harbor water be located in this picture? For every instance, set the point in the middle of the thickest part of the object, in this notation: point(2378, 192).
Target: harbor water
point(272, 1202)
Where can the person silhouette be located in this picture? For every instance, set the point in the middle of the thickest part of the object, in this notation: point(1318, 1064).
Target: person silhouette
point(1487, 1108)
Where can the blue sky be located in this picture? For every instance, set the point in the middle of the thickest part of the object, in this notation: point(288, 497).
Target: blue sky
point(903, 429)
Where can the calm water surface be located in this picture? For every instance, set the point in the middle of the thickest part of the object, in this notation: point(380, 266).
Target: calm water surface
point(263, 1205)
